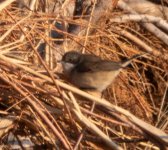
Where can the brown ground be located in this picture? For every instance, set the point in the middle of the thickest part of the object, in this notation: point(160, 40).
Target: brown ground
point(141, 88)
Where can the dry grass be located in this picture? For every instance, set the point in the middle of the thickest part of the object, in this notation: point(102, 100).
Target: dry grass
point(38, 105)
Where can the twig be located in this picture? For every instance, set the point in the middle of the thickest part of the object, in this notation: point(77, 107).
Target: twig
point(5, 3)
point(92, 126)
point(41, 114)
point(142, 18)
point(142, 44)
point(152, 131)
point(150, 27)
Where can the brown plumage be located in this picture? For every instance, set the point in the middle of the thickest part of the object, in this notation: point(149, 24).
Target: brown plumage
point(91, 72)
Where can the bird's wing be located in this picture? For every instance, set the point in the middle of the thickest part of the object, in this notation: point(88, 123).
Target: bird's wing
point(92, 63)
point(99, 65)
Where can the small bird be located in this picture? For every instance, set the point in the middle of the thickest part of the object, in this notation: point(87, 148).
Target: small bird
point(90, 72)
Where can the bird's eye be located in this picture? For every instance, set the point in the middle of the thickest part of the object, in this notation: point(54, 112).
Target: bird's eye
point(70, 59)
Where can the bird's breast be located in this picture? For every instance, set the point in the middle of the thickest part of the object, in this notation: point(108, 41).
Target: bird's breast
point(99, 80)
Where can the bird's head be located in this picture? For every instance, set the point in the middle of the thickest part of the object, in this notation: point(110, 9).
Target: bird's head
point(70, 60)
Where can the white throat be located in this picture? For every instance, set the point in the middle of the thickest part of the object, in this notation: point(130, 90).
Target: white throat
point(67, 67)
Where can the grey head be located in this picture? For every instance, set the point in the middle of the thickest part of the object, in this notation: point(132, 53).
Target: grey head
point(70, 60)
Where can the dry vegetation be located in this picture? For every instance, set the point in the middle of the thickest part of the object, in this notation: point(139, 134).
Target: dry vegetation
point(40, 109)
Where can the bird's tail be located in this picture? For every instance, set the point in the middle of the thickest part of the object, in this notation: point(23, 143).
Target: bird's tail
point(128, 61)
